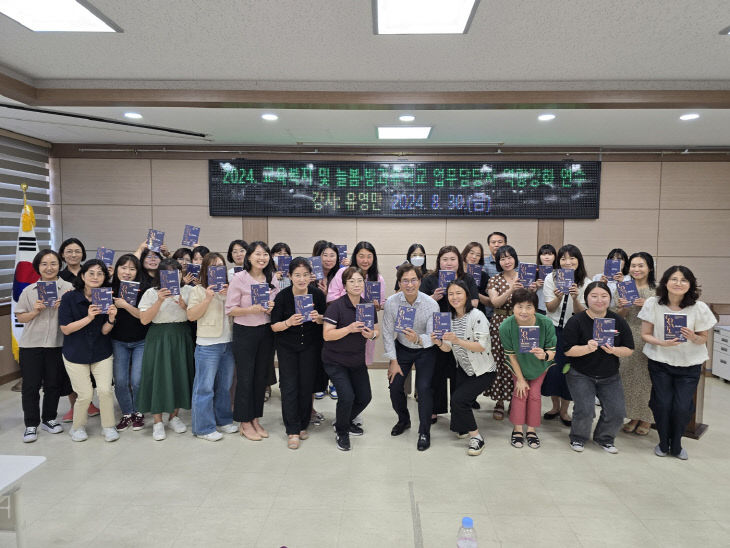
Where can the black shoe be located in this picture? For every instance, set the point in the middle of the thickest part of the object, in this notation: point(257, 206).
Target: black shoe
point(355, 430)
point(434, 419)
point(343, 442)
point(551, 416)
point(424, 442)
point(475, 405)
point(399, 428)
point(565, 422)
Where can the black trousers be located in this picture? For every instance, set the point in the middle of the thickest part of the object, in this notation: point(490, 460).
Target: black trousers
point(253, 348)
point(672, 401)
point(466, 390)
point(425, 362)
point(297, 371)
point(42, 368)
point(445, 369)
point(353, 393)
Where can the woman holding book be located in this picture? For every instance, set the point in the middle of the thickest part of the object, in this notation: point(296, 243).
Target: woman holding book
point(167, 362)
point(675, 328)
point(73, 253)
point(622, 257)
point(211, 399)
point(473, 257)
point(185, 257)
point(236, 254)
point(561, 304)
point(469, 342)
point(41, 361)
point(128, 338)
point(280, 249)
point(253, 340)
point(298, 341)
point(330, 255)
point(546, 257)
point(150, 261)
point(87, 348)
point(634, 369)
point(528, 362)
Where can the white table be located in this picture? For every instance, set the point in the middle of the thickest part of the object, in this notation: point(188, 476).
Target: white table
point(12, 470)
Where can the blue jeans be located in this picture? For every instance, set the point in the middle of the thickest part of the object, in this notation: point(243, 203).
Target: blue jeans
point(126, 377)
point(584, 390)
point(212, 387)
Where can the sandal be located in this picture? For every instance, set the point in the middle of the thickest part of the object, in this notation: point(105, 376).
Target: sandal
point(630, 426)
point(498, 413)
point(643, 430)
point(533, 442)
point(517, 440)
point(293, 441)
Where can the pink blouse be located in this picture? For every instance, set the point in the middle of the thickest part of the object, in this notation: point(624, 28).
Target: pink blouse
point(239, 295)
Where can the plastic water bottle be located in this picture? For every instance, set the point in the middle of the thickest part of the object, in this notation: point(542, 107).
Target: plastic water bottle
point(467, 537)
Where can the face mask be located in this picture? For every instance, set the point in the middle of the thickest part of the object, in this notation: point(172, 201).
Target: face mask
point(418, 261)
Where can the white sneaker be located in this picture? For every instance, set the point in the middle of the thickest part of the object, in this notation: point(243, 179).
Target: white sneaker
point(229, 428)
point(30, 434)
point(110, 434)
point(79, 434)
point(213, 436)
point(52, 426)
point(177, 425)
point(607, 447)
point(158, 431)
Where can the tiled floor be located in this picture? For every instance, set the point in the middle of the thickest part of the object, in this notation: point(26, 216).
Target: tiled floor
point(189, 492)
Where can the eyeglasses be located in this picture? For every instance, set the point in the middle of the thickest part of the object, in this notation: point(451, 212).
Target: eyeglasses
point(73, 252)
point(681, 281)
point(413, 281)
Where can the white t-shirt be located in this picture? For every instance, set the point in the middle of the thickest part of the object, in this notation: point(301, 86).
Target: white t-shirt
point(548, 290)
point(170, 311)
point(686, 354)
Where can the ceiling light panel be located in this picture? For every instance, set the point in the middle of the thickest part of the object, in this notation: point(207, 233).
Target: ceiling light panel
point(401, 132)
point(56, 16)
point(423, 16)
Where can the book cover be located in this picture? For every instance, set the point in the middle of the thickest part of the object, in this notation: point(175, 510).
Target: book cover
point(191, 236)
point(47, 292)
point(527, 273)
point(628, 290)
point(317, 269)
point(611, 267)
point(155, 239)
point(673, 323)
point(529, 337)
point(543, 271)
point(194, 269)
point(105, 255)
point(102, 297)
point(304, 305)
point(441, 323)
point(372, 291)
point(129, 291)
point(237, 269)
point(282, 263)
point(475, 271)
point(342, 252)
point(564, 278)
point(260, 294)
point(170, 279)
point(446, 277)
point(217, 276)
point(604, 331)
point(405, 318)
point(365, 313)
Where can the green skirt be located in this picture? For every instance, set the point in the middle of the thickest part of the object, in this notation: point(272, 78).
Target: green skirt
point(167, 369)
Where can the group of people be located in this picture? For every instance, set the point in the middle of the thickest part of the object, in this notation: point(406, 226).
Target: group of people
point(212, 348)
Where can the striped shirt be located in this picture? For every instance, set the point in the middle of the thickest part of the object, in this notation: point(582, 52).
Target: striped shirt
point(458, 327)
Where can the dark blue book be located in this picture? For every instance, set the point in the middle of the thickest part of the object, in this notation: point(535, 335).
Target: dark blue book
point(102, 297)
point(304, 305)
point(342, 252)
point(170, 279)
point(372, 291)
point(611, 267)
point(446, 277)
point(604, 331)
point(529, 338)
point(217, 276)
point(47, 292)
point(129, 291)
point(282, 263)
point(673, 324)
point(405, 318)
point(237, 269)
point(628, 290)
point(191, 236)
point(260, 294)
point(105, 255)
point(543, 270)
point(441, 323)
point(564, 278)
point(365, 313)
point(475, 271)
point(317, 269)
point(194, 269)
point(155, 239)
point(526, 273)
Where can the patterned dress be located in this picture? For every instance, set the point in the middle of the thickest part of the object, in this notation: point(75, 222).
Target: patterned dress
point(634, 370)
point(502, 386)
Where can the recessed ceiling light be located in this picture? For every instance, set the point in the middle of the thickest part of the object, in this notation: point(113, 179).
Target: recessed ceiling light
point(57, 16)
point(269, 116)
point(406, 117)
point(423, 16)
point(403, 132)
point(689, 116)
point(546, 117)
point(133, 115)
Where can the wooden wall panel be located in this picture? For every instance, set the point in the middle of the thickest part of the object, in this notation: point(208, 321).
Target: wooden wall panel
point(630, 185)
point(116, 227)
point(215, 232)
point(694, 233)
point(179, 182)
point(301, 233)
point(632, 230)
point(106, 182)
point(696, 185)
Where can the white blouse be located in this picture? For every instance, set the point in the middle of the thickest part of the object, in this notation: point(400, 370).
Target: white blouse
point(170, 311)
point(548, 290)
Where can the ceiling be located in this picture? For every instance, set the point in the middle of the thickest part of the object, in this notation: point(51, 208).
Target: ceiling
point(191, 48)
